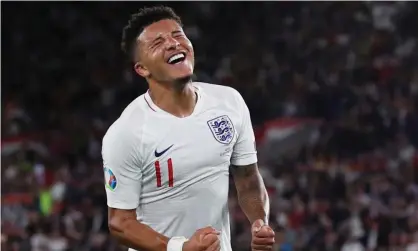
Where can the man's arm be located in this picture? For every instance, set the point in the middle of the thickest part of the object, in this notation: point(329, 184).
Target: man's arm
point(123, 179)
point(124, 226)
point(252, 194)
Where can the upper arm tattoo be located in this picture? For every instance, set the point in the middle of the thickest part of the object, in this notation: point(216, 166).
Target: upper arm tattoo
point(252, 194)
point(246, 177)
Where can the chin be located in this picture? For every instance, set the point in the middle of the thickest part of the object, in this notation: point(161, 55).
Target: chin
point(181, 72)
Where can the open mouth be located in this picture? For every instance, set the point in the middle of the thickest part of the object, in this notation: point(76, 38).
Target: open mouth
point(177, 58)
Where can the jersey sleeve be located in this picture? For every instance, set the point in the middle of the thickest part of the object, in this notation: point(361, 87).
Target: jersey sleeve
point(122, 168)
point(244, 151)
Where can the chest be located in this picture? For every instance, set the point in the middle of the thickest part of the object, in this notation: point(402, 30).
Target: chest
point(176, 151)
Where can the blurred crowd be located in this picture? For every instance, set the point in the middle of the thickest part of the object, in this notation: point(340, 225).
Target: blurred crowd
point(351, 65)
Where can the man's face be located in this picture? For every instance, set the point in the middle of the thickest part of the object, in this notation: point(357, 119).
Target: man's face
point(165, 53)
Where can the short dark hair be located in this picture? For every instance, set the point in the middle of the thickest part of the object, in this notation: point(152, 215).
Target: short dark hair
point(140, 20)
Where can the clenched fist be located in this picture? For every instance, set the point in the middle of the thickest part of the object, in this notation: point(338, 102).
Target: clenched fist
point(262, 236)
point(205, 239)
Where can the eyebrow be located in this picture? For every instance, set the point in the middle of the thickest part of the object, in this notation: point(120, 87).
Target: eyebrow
point(172, 33)
point(159, 37)
point(176, 31)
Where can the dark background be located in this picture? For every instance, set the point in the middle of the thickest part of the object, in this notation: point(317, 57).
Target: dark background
point(352, 67)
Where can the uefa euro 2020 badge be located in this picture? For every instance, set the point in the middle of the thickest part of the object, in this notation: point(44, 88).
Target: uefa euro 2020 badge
point(222, 129)
point(110, 179)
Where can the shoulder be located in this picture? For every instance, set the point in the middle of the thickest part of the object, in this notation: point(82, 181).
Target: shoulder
point(216, 89)
point(126, 131)
point(221, 92)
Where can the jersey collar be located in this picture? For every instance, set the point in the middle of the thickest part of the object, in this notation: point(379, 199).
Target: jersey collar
point(155, 108)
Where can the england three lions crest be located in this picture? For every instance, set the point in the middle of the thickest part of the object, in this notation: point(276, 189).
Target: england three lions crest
point(222, 129)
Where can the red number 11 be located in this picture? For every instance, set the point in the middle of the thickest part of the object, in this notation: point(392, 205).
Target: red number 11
point(170, 172)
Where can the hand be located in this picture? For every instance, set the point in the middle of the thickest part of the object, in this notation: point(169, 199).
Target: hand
point(262, 236)
point(205, 239)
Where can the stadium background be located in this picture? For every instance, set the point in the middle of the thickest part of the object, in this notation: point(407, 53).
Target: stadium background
point(332, 88)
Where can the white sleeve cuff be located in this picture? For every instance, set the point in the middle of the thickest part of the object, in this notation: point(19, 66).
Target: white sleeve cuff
point(122, 205)
point(245, 160)
point(176, 243)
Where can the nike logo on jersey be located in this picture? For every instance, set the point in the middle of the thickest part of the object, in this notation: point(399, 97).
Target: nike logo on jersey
point(158, 154)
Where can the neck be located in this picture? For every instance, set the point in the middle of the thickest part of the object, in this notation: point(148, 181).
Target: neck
point(177, 99)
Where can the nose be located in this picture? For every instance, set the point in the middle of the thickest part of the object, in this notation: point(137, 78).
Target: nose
point(172, 43)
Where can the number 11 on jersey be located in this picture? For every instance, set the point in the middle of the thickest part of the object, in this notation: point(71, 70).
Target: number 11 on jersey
point(170, 172)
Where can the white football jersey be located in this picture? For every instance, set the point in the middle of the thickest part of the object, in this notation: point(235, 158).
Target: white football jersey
point(174, 171)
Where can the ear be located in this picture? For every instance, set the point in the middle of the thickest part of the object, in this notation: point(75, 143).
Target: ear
point(141, 70)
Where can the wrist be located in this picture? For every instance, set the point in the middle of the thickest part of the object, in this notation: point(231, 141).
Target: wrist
point(176, 243)
point(259, 221)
